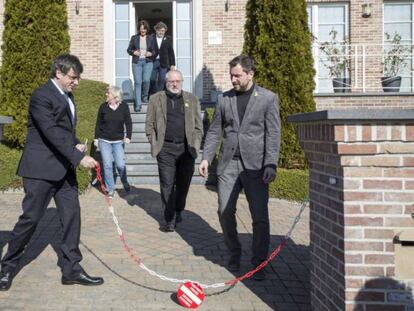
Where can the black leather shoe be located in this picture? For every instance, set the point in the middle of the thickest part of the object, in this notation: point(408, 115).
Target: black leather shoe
point(169, 226)
point(234, 264)
point(5, 281)
point(82, 279)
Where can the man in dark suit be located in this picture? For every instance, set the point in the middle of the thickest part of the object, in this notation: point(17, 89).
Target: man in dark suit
point(164, 57)
point(47, 166)
point(247, 120)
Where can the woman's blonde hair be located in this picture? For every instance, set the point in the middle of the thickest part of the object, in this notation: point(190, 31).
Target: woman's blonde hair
point(116, 92)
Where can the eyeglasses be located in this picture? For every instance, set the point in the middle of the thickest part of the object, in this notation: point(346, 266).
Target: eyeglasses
point(174, 81)
point(73, 78)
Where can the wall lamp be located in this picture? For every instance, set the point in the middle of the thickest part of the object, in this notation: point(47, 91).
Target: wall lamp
point(77, 7)
point(366, 10)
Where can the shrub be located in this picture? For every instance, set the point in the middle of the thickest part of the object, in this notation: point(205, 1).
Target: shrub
point(88, 96)
point(35, 32)
point(290, 184)
point(277, 36)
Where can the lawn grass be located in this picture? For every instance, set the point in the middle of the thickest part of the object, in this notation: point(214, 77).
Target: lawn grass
point(89, 95)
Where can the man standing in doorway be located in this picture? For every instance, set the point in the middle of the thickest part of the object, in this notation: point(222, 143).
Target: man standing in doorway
point(174, 130)
point(164, 58)
point(247, 121)
point(51, 154)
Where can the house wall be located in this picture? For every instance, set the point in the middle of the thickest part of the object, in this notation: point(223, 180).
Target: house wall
point(86, 31)
point(217, 57)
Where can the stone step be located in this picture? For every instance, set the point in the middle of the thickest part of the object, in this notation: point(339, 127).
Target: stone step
point(138, 127)
point(139, 137)
point(148, 169)
point(138, 117)
point(154, 180)
point(138, 148)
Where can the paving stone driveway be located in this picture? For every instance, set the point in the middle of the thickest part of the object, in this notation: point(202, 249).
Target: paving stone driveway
point(195, 251)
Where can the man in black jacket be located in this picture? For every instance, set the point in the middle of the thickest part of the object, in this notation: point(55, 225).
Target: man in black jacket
point(164, 57)
point(47, 165)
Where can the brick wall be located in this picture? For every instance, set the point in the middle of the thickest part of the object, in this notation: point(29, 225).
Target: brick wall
point(216, 57)
point(371, 101)
point(87, 36)
point(362, 193)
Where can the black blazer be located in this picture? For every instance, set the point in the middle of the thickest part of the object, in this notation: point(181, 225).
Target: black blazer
point(134, 45)
point(166, 52)
point(51, 139)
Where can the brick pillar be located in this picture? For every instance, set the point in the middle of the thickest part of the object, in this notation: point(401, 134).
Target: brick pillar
point(362, 196)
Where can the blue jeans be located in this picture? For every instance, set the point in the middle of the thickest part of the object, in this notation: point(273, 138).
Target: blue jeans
point(158, 77)
point(109, 154)
point(142, 74)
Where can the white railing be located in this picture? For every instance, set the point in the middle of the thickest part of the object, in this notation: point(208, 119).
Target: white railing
point(365, 68)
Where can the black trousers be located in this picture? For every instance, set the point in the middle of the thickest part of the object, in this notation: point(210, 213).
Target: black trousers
point(175, 168)
point(230, 183)
point(38, 194)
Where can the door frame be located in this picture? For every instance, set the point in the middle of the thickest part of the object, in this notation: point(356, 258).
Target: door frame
point(197, 39)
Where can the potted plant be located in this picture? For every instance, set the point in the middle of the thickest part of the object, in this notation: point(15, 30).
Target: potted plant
point(337, 62)
point(395, 60)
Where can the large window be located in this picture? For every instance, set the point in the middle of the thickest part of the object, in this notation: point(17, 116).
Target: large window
point(398, 23)
point(323, 21)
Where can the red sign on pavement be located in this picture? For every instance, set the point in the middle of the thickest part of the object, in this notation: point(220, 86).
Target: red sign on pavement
point(190, 295)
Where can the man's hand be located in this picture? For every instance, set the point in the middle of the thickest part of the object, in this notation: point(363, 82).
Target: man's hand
point(137, 53)
point(269, 174)
point(88, 162)
point(203, 168)
point(127, 140)
point(172, 67)
point(82, 147)
point(148, 54)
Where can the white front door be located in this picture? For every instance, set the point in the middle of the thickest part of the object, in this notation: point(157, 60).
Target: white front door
point(125, 26)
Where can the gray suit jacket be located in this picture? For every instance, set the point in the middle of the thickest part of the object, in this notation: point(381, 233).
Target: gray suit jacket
point(258, 135)
point(156, 122)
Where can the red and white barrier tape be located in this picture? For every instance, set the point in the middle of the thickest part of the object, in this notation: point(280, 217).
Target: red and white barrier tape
point(165, 278)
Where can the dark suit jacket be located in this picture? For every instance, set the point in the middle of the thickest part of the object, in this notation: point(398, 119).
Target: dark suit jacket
point(134, 44)
point(166, 52)
point(258, 136)
point(51, 139)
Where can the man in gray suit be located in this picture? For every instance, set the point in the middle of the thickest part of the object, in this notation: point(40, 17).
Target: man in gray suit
point(247, 120)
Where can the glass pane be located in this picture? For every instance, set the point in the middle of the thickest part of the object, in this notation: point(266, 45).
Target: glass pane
point(122, 11)
point(122, 30)
point(326, 29)
point(183, 10)
point(183, 29)
point(122, 67)
point(184, 65)
point(183, 47)
point(119, 81)
point(403, 29)
point(397, 12)
point(406, 84)
point(187, 84)
point(331, 14)
point(325, 86)
point(121, 48)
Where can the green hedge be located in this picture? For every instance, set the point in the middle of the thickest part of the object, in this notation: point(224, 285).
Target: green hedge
point(290, 184)
point(35, 32)
point(88, 96)
point(277, 36)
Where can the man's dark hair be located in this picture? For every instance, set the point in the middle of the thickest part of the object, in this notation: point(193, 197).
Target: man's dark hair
point(245, 61)
point(64, 63)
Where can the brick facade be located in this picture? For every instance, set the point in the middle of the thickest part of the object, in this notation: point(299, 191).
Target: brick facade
point(362, 195)
point(216, 57)
point(86, 31)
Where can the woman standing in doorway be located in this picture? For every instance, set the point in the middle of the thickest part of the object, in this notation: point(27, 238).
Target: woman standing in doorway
point(141, 48)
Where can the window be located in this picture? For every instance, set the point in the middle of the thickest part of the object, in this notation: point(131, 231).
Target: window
point(322, 19)
point(398, 19)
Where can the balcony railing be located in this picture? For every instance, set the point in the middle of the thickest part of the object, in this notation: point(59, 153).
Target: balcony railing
point(364, 68)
